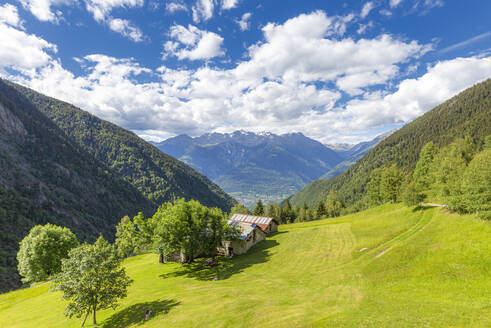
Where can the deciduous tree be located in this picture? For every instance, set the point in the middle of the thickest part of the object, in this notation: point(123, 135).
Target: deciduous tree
point(92, 279)
point(42, 251)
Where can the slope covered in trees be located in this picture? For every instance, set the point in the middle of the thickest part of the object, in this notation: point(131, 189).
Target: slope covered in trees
point(467, 114)
point(61, 165)
point(44, 177)
point(158, 176)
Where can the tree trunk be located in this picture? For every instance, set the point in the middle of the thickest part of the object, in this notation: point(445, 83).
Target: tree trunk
point(83, 323)
point(161, 258)
point(94, 321)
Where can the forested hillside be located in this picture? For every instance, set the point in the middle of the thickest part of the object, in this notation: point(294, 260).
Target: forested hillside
point(467, 114)
point(158, 176)
point(61, 165)
point(44, 177)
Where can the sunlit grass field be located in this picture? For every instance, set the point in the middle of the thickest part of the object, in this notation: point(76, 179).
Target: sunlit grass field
point(419, 268)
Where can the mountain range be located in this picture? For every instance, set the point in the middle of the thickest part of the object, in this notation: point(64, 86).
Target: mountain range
point(352, 153)
point(62, 165)
point(264, 165)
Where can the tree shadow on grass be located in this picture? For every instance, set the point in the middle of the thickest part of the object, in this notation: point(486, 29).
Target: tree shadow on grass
point(226, 267)
point(135, 314)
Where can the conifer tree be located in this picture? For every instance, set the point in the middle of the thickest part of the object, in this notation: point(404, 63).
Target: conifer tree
point(373, 187)
point(421, 175)
point(321, 209)
point(476, 185)
point(259, 209)
point(390, 184)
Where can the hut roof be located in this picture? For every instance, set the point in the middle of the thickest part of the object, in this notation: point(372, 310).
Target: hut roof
point(245, 228)
point(262, 221)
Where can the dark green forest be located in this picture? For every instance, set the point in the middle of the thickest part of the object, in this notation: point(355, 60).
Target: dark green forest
point(465, 115)
point(157, 175)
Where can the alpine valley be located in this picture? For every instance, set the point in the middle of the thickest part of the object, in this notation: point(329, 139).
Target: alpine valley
point(251, 166)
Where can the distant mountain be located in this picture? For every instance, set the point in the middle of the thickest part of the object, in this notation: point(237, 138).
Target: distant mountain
point(62, 165)
point(251, 166)
point(467, 114)
point(340, 147)
point(353, 153)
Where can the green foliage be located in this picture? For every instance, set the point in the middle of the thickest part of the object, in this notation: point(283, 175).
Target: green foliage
point(259, 209)
point(476, 185)
point(373, 187)
point(189, 228)
point(468, 113)
point(421, 175)
point(239, 208)
point(333, 205)
point(448, 167)
point(92, 279)
point(321, 209)
point(390, 184)
point(410, 194)
point(461, 178)
point(133, 237)
point(42, 251)
point(287, 213)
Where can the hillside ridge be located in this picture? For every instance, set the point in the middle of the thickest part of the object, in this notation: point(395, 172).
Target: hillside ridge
point(466, 114)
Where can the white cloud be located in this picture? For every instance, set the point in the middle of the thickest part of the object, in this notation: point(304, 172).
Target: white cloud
point(244, 23)
point(124, 27)
point(297, 51)
point(367, 8)
point(394, 3)
point(287, 83)
point(466, 42)
point(424, 6)
point(433, 3)
point(9, 15)
point(364, 27)
point(414, 97)
point(229, 4)
point(193, 44)
point(23, 52)
point(174, 6)
point(42, 8)
point(101, 9)
point(203, 10)
point(385, 12)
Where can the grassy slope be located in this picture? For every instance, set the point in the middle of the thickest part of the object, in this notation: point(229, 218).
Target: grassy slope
point(437, 273)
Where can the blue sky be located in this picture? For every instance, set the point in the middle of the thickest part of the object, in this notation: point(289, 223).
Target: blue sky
point(337, 71)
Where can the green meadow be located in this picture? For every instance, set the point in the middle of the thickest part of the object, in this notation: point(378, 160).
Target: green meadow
point(390, 266)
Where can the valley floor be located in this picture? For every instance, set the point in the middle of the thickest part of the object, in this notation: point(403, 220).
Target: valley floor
point(420, 268)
